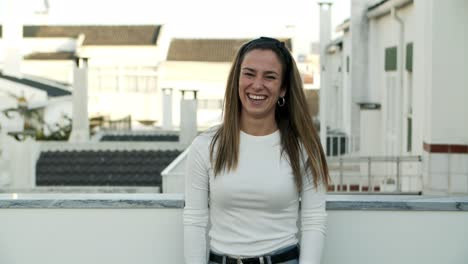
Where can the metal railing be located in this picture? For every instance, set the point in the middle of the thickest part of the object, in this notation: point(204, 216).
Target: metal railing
point(394, 174)
point(341, 144)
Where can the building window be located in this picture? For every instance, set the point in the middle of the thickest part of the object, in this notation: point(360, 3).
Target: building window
point(391, 59)
point(132, 79)
point(409, 57)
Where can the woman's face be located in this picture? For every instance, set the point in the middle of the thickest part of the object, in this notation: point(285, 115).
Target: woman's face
point(260, 82)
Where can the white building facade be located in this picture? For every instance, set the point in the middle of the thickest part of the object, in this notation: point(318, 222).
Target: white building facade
point(413, 92)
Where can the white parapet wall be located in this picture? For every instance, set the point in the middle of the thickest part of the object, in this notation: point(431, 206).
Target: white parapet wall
point(148, 228)
point(173, 176)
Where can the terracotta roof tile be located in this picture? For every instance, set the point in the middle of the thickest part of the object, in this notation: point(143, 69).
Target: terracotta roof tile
point(50, 56)
point(206, 50)
point(99, 35)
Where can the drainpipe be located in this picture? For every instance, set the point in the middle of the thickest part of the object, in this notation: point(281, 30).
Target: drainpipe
point(400, 82)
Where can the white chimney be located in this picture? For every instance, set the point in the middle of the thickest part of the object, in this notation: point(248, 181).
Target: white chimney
point(167, 108)
point(325, 37)
point(12, 37)
point(80, 125)
point(188, 117)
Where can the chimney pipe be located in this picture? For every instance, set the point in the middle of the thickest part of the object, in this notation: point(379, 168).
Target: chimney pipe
point(325, 37)
point(80, 126)
point(167, 108)
point(188, 117)
point(12, 38)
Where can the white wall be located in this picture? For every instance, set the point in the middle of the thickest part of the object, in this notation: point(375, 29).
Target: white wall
point(386, 86)
point(20, 160)
point(31, 45)
point(57, 70)
point(449, 78)
point(121, 236)
point(120, 55)
point(120, 104)
point(335, 90)
point(441, 60)
point(371, 133)
point(209, 78)
point(396, 237)
point(91, 236)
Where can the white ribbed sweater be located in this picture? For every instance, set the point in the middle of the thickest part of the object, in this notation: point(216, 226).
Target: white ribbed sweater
point(254, 209)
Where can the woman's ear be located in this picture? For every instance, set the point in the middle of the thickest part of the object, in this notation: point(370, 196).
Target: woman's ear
point(283, 91)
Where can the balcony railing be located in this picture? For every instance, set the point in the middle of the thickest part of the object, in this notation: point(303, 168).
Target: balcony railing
point(398, 174)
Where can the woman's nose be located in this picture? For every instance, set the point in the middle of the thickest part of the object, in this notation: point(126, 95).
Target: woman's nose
point(258, 83)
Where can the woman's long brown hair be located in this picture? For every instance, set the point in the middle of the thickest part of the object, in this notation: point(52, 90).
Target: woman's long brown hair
point(293, 119)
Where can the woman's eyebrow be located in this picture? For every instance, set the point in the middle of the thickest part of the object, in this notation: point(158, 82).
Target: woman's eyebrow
point(248, 69)
point(271, 72)
point(266, 72)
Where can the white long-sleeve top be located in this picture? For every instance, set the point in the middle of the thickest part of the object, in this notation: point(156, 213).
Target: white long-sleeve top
point(254, 209)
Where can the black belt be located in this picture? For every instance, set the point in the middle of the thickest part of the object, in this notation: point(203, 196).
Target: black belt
point(277, 258)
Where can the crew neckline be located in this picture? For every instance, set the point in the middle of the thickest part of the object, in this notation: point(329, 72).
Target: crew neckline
point(275, 134)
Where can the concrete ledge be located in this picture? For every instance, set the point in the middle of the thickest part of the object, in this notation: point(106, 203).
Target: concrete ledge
point(140, 200)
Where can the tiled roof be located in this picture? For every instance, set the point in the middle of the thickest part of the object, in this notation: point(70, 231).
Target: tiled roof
point(103, 168)
point(99, 35)
point(377, 4)
point(207, 50)
point(52, 91)
point(130, 137)
point(50, 56)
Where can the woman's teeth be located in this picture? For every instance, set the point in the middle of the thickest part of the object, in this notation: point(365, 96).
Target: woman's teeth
point(256, 97)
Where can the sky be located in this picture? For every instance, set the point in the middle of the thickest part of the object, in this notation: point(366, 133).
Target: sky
point(200, 18)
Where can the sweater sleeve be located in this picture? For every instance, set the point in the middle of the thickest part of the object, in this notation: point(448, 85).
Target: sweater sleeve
point(196, 211)
point(313, 222)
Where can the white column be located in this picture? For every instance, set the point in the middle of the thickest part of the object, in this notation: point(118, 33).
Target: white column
point(12, 37)
point(22, 164)
point(325, 37)
point(80, 126)
point(440, 81)
point(188, 117)
point(4, 163)
point(167, 108)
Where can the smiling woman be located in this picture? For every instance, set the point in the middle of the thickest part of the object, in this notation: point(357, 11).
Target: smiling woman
point(260, 87)
point(255, 167)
